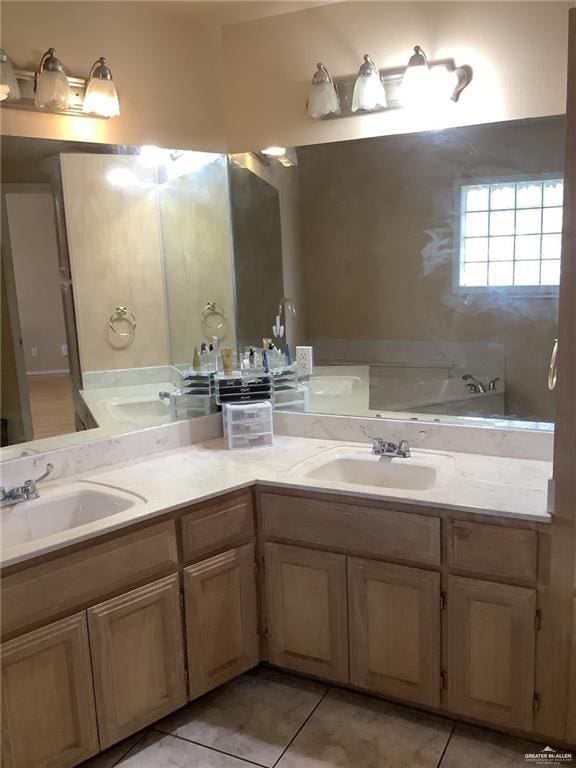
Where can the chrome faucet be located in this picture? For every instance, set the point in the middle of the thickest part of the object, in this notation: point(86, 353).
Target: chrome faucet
point(474, 384)
point(381, 447)
point(21, 493)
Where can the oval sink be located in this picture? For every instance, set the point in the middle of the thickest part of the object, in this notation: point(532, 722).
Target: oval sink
point(61, 509)
point(357, 466)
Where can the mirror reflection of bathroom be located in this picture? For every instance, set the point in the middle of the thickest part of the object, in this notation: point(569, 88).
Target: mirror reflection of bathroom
point(111, 255)
point(428, 270)
point(421, 268)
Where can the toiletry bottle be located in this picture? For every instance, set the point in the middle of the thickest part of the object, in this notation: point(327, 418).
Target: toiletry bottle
point(196, 364)
point(204, 357)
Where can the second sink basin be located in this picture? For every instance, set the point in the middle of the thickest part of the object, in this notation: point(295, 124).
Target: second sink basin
point(357, 466)
point(60, 509)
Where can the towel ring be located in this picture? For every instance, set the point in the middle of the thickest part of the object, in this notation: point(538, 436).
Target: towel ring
point(216, 329)
point(122, 314)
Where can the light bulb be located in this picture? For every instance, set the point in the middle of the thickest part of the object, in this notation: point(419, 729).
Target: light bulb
point(101, 96)
point(417, 87)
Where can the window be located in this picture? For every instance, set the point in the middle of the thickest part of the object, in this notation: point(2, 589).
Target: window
point(510, 234)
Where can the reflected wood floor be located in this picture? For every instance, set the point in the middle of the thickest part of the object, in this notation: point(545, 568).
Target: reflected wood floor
point(51, 404)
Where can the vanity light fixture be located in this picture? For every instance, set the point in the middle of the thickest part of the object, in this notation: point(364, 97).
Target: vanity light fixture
point(274, 152)
point(286, 156)
point(101, 95)
point(423, 83)
point(52, 87)
point(323, 98)
point(369, 91)
point(9, 88)
point(416, 82)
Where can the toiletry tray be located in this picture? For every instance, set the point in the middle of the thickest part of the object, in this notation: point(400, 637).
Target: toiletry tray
point(197, 383)
point(246, 386)
point(248, 425)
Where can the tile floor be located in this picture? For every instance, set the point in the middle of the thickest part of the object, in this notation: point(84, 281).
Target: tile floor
point(270, 719)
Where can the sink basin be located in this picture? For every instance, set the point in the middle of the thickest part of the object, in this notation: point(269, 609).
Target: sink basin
point(61, 509)
point(140, 409)
point(357, 466)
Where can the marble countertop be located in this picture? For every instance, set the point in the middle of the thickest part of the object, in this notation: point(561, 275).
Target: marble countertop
point(489, 485)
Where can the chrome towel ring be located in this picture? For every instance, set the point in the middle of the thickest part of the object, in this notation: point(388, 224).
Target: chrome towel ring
point(213, 319)
point(122, 314)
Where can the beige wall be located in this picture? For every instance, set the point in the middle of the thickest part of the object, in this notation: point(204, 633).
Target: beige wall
point(379, 219)
point(116, 260)
point(517, 49)
point(35, 257)
point(197, 244)
point(244, 86)
point(166, 68)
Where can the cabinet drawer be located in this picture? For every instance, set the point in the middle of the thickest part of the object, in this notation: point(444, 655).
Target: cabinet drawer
point(219, 526)
point(73, 581)
point(364, 530)
point(493, 550)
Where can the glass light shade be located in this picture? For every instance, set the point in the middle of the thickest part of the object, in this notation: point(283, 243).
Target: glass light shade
point(369, 93)
point(101, 98)
point(52, 90)
point(416, 86)
point(323, 100)
point(9, 88)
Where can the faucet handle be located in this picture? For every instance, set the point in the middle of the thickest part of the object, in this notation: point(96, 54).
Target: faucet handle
point(47, 472)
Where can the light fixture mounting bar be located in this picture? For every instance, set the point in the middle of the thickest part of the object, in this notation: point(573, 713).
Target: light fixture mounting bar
point(26, 81)
point(392, 80)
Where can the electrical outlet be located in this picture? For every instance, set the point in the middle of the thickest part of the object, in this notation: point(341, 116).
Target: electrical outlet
point(304, 362)
point(34, 351)
point(64, 350)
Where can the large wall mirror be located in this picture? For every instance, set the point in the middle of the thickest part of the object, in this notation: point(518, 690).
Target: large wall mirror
point(423, 270)
point(429, 272)
point(116, 261)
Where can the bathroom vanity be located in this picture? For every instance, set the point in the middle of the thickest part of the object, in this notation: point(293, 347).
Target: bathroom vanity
point(431, 605)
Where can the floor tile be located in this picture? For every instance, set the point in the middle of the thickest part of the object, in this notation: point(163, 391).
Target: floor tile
point(158, 750)
point(111, 756)
point(479, 748)
point(253, 717)
point(350, 730)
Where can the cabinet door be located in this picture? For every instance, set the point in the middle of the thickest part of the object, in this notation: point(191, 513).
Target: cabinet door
point(48, 715)
point(221, 618)
point(491, 645)
point(394, 617)
point(138, 658)
point(307, 611)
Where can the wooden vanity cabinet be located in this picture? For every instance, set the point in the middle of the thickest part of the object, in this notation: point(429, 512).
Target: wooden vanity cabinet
point(221, 618)
point(137, 658)
point(48, 712)
point(394, 619)
point(491, 651)
point(307, 611)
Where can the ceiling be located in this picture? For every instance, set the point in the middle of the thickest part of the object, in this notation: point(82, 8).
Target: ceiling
point(223, 12)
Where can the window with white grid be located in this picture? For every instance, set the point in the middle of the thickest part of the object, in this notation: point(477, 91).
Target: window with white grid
point(510, 234)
